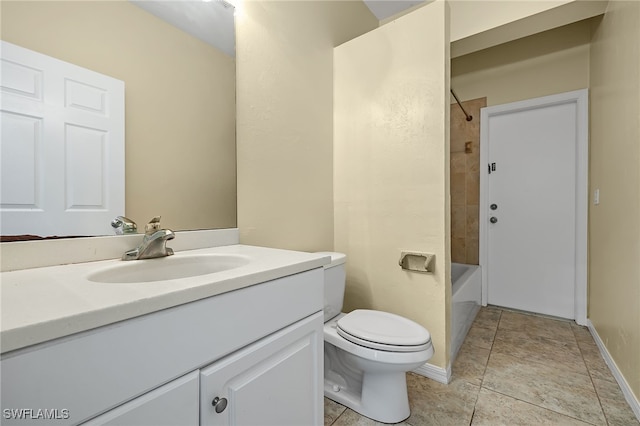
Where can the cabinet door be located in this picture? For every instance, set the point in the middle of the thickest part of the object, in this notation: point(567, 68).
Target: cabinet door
point(276, 381)
point(175, 403)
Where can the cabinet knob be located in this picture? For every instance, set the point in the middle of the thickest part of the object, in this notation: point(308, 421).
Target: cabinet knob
point(493, 219)
point(219, 404)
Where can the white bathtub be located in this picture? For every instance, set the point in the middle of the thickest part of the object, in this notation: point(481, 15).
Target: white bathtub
point(466, 292)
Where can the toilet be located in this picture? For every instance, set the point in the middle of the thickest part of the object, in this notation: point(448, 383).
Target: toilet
point(368, 353)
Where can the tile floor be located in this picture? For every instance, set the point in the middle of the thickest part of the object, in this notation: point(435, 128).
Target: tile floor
point(514, 369)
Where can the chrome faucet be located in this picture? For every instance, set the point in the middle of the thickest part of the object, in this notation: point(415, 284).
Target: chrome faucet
point(154, 242)
point(124, 225)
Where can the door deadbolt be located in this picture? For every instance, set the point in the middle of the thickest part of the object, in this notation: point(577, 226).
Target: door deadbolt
point(493, 207)
point(493, 219)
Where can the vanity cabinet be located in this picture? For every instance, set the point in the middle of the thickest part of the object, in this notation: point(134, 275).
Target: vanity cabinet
point(259, 347)
point(270, 382)
point(175, 403)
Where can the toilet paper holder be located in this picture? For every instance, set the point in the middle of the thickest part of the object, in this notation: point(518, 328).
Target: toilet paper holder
point(416, 261)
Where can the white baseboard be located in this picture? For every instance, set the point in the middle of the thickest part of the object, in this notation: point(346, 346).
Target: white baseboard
point(438, 374)
point(626, 389)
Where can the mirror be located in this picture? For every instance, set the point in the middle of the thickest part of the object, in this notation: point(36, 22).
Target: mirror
point(180, 150)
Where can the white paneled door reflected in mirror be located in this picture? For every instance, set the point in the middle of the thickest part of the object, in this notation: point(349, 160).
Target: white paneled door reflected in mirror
point(179, 116)
point(62, 146)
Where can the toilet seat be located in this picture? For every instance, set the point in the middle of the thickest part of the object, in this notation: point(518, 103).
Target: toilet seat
point(383, 331)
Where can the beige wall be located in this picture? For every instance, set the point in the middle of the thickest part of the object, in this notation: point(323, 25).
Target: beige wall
point(614, 225)
point(481, 24)
point(484, 24)
point(551, 62)
point(180, 102)
point(285, 118)
point(391, 159)
point(470, 17)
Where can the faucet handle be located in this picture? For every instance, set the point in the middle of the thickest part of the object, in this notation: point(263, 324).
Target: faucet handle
point(124, 225)
point(153, 225)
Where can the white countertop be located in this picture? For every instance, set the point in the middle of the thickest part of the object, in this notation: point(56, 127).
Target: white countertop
point(42, 304)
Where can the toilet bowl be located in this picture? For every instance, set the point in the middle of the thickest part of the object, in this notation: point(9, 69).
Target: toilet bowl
point(368, 353)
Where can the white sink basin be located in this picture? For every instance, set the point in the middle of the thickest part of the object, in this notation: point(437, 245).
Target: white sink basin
point(167, 268)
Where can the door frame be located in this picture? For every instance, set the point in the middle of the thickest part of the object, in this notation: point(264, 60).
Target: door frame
point(580, 99)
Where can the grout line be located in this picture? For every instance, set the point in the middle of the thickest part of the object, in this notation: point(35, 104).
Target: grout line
point(496, 332)
point(336, 419)
point(474, 411)
point(535, 314)
point(540, 406)
point(475, 404)
point(484, 370)
point(595, 390)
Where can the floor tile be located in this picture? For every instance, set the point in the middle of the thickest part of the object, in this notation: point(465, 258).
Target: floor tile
point(615, 407)
point(581, 333)
point(488, 317)
point(332, 410)
point(549, 387)
point(494, 409)
point(514, 369)
point(351, 418)
point(564, 354)
point(470, 364)
point(595, 363)
point(588, 347)
point(536, 326)
point(480, 337)
point(434, 403)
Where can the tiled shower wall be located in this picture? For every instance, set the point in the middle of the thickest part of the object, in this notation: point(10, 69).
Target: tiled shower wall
point(465, 181)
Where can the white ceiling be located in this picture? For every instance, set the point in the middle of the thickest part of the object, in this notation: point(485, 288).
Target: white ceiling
point(386, 8)
point(212, 21)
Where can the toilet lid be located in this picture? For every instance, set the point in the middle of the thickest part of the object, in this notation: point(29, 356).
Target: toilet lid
point(383, 331)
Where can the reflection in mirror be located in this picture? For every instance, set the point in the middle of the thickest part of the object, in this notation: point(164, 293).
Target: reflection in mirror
point(179, 100)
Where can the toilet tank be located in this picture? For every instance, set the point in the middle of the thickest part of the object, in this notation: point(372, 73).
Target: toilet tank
point(334, 284)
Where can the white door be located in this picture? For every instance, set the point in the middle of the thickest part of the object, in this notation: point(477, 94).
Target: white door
point(62, 146)
point(534, 202)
